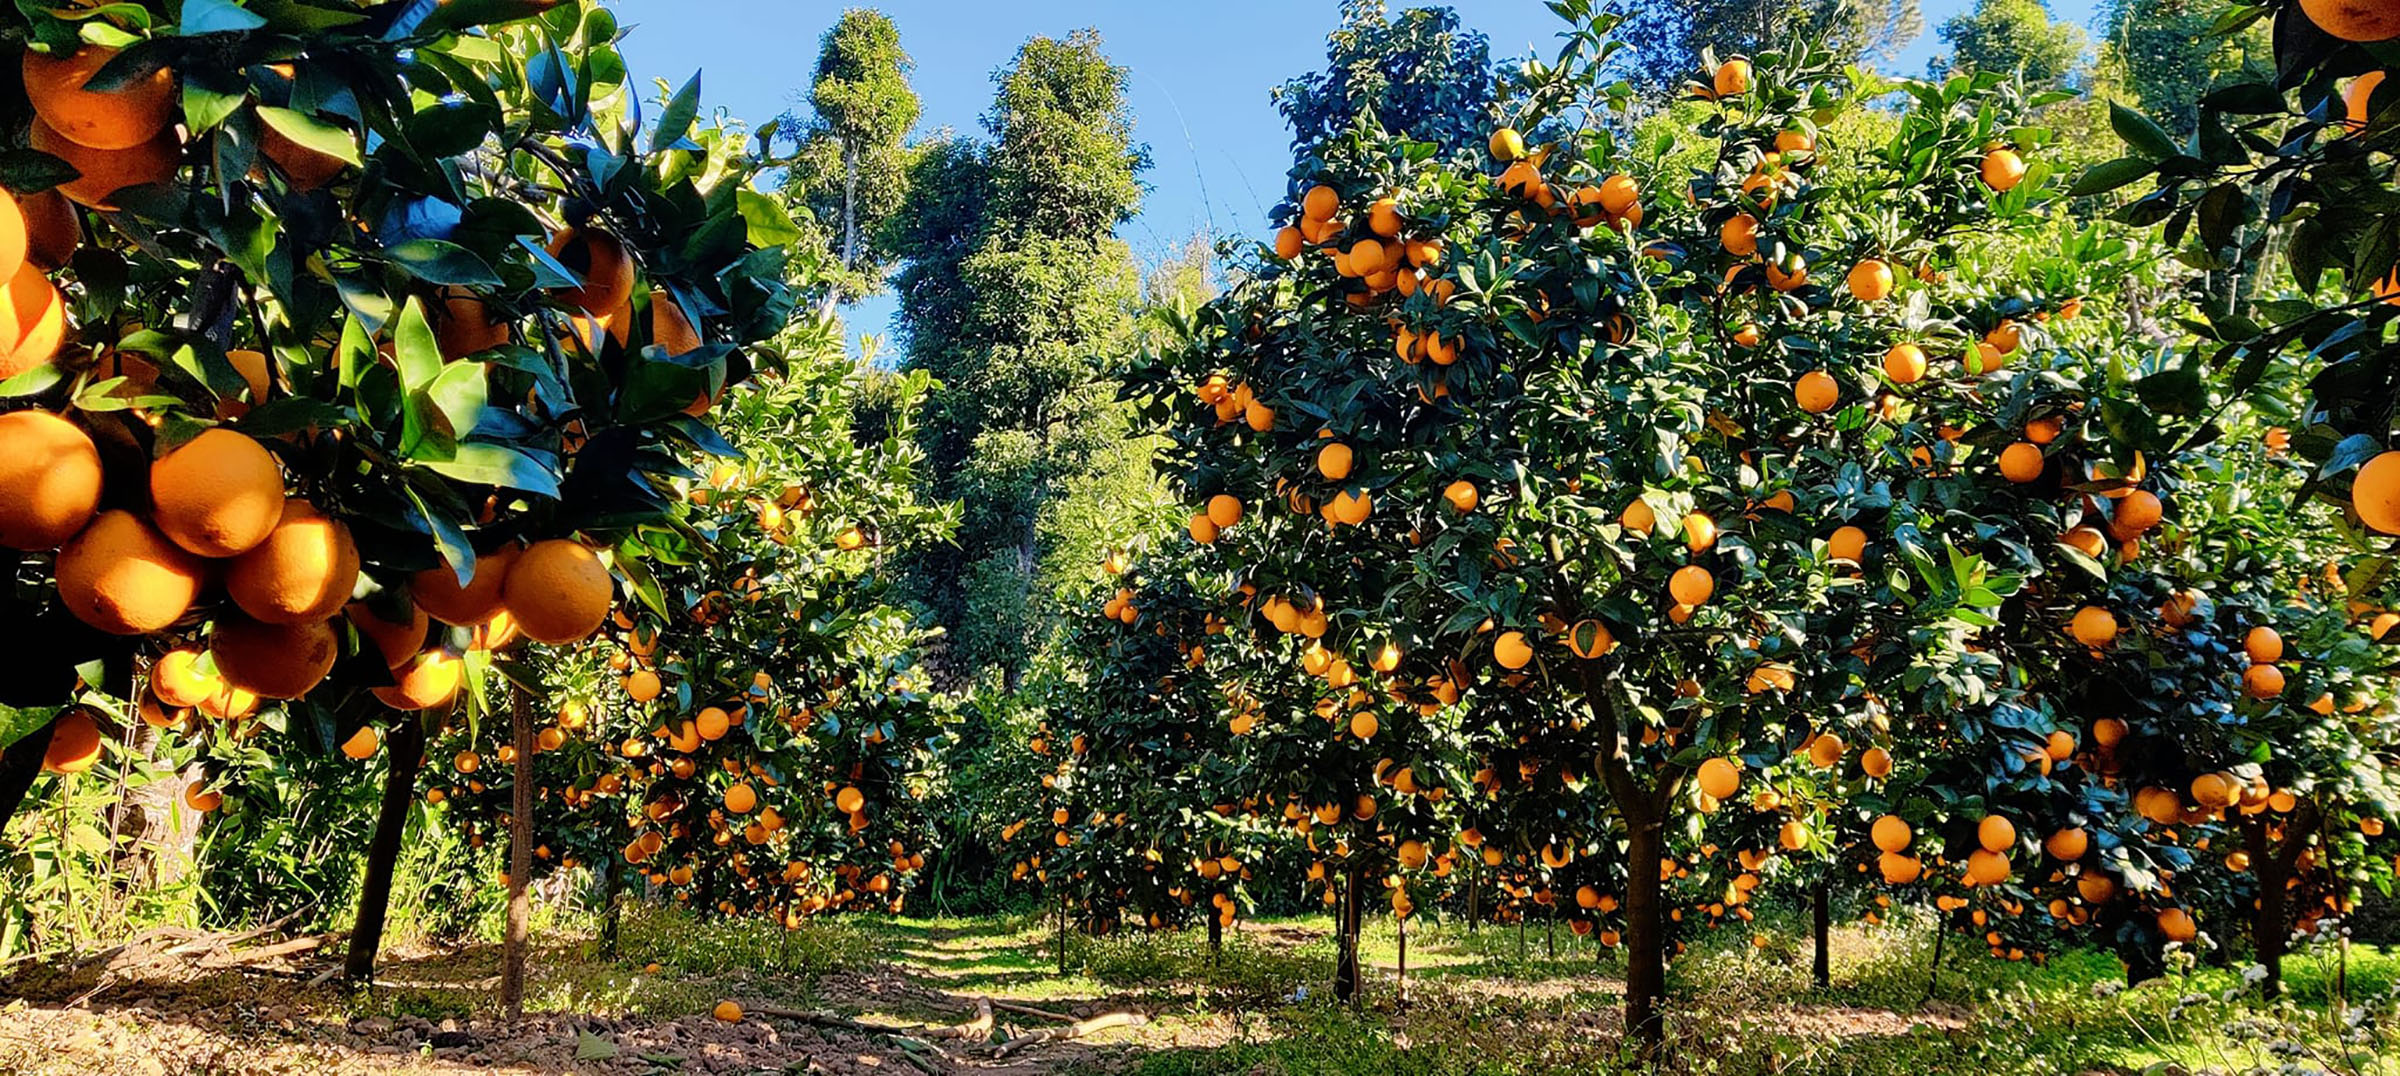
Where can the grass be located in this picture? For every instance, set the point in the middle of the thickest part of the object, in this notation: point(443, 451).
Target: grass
point(1487, 1002)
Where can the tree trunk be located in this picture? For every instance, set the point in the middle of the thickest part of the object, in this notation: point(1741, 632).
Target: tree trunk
point(2268, 929)
point(1820, 927)
point(1216, 936)
point(1550, 934)
point(1474, 893)
point(404, 755)
point(611, 905)
point(1401, 993)
point(520, 858)
point(1062, 932)
point(1645, 935)
point(1933, 976)
point(1345, 969)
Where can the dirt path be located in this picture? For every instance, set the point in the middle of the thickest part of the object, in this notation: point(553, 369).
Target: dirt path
point(148, 1010)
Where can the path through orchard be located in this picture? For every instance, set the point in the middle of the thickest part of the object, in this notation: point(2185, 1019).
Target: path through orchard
point(877, 998)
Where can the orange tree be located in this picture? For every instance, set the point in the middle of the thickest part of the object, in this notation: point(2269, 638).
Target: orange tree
point(1548, 438)
point(2285, 195)
point(1152, 811)
point(755, 736)
point(370, 301)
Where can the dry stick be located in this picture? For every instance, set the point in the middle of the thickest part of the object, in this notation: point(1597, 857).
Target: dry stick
point(228, 941)
point(1026, 1010)
point(520, 859)
point(1076, 1030)
point(270, 952)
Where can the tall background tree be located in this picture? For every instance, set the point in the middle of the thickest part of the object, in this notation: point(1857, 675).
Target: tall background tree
point(1664, 40)
point(1418, 72)
point(1016, 296)
point(2012, 37)
point(851, 170)
point(2162, 56)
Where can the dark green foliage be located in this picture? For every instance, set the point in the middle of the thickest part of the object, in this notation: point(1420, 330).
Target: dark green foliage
point(1419, 73)
point(1665, 39)
point(1016, 297)
point(2012, 37)
point(850, 170)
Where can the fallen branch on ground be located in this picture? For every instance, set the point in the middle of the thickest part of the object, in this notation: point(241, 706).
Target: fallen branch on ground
point(1075, 1030)
point(270, 952)
point(1028, 1010)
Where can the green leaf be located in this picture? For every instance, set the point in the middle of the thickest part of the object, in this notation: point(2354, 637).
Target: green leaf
point(2143, 135)
point(770, 224)
point(414, 351)
point(461, 14)
point(204, 108)
point(449, 536)
point(16, 724)
point(216, 17)
point(438, 262)
point(459, 393)
point(312, 133)
point(485, 464)
point(676, 121)
point(31, 171)
point(590, 1047)
point(2110, 175)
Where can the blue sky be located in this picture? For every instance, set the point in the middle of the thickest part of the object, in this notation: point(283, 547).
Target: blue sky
point(1200, 76)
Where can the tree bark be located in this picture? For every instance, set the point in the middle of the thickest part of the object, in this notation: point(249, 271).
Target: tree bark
point(611, 905)
point(1820, 927)
point(404, 755)
point(1933, 975)
point(1345, 969)
point(1645, 933)
point(1474, 895)
point(1401, 993)
point(1216, 936)
point(520, 858)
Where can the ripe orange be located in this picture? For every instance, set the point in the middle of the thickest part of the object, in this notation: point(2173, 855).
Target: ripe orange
point(1816, 392)
point(1321, 202)
point(104, 172)
point(1739, 235)
point(2357, 98)
point(303, 571)
point(1699, 532)
point(97, 119)
point(601, 261)
point(2263, 644)
point(124, 578)
point(1720, 778)
point(307, 169)
point(1847, 543)
point(2002, 169)
point(1639, 518)
point(643, 685)
point(74, 743)
point(177, 680)
point(558, 591)
point(2355, 20)
point(49, 480)
point(1506, 145)
point(397, 642)
point(1351, 508)
point(2067, 844)
point(463, 324)
point(1904, 364)
point(1732, 77)
point(1996, 834)
point(850, 800)
point(14, 240)
point(52, 228)
point(1618, 193)
point(728, 1011)
point(1204, 530)
point(1461, 495)
point(1289, 243)
point(2262, 681)
point(2022, 462)
point(274, 661)
point(33, 320)
point(1826, 749)
point(1224, 510)
point(362, 744)
point(1899, 869)
point(1511, 650)
point(428, 681)
point(1590, 639)
point(217, 495)
point(202, 800)
point(2177, 925)
point(2375, 493)
point(1876, 762)
point(1333, 461)
point(2093, 627)
point(439, 594)
point(741, 798)
point(1691, 585)
point(1891, 833)
point(1871, 280)
point(1986, 867)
